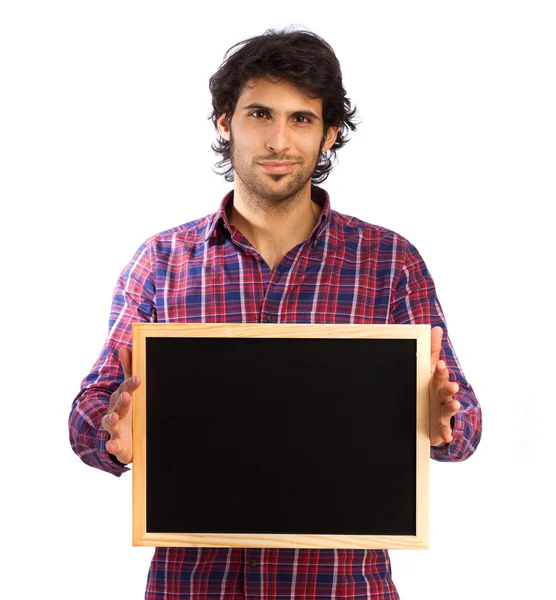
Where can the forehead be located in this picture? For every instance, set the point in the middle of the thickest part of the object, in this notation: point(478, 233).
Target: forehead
point(280, 95)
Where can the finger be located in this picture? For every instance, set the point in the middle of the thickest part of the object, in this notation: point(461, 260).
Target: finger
point(436, 345)
point(446, 434)
point(451, 389)
point(109, 422)
point(129, 385)
point(113, 446)
point(123, 404)
point(119, 407)
point(451, 408)
point(445, 389)
point(125, 358)
point(441, 374)
point(121, 399)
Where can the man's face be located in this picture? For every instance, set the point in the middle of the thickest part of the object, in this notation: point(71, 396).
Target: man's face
point(276, 135)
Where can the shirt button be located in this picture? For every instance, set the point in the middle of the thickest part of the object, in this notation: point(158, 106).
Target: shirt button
point(268, 318)
point(252, 563)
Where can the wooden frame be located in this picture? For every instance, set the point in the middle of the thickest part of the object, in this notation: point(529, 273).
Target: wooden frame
point(142, 333)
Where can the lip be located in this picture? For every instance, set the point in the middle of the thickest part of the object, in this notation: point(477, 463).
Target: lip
point(277, 167)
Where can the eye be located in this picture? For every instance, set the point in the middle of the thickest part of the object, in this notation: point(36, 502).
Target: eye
point(258, 112)
point(305, 119)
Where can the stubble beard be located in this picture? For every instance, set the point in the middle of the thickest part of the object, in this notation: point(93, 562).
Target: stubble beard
point(266, 197)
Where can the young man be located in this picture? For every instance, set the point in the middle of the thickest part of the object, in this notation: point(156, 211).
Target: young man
point(275, 251)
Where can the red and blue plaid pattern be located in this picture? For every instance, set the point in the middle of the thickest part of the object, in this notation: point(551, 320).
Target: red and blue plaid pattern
point(206, 271)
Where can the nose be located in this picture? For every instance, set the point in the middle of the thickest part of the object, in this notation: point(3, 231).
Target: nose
point(278, 140)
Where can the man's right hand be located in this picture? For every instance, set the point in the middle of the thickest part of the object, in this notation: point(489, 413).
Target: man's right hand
point(117, 421)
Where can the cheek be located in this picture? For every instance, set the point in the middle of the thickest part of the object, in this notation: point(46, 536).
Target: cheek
point(311, 148)
point(247, 139)
point(310, 143)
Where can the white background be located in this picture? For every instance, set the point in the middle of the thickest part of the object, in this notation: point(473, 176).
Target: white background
point(105, 140)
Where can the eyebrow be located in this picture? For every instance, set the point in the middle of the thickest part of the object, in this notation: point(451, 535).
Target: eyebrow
point(296, 113)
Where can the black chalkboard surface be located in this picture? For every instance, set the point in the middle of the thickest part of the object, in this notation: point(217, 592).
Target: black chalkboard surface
point(281, 435)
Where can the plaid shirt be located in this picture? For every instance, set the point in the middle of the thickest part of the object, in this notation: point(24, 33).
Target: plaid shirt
point(206, 271)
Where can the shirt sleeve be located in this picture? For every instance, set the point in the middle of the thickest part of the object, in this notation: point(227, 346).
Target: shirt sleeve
point(133, 301)
point(415, 302)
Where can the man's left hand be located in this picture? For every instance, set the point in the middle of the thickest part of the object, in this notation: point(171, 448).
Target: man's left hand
point(442, 404)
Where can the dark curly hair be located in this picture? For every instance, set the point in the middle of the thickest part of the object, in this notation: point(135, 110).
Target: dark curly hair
point(301, 58)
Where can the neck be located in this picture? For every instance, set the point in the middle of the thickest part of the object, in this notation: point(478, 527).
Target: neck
point(282, 224)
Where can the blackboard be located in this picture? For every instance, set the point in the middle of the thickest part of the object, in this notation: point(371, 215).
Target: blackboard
point(281, 435)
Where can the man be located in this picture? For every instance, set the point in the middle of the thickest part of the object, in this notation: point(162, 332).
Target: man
point(275, 251)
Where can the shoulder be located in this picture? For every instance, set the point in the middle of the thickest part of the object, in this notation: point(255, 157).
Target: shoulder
point(192, 234)
point(346, 228)
point(185, 240)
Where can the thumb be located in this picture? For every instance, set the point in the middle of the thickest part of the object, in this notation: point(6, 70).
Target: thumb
point(125, 358)
point(436, 345)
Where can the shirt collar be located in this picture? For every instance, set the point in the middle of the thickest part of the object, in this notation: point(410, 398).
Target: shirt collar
point(321, 197)
point(220, 218)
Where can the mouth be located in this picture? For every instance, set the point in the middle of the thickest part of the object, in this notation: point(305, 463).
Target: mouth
point(278, 167)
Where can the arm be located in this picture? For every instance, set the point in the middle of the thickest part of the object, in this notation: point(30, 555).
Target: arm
point(133, 301)
point(415, 302)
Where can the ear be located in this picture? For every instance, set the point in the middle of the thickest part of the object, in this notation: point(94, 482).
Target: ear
point(223, 126)
point(330, 138)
